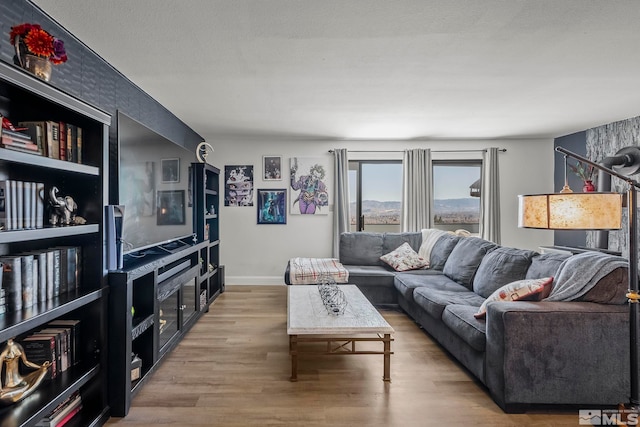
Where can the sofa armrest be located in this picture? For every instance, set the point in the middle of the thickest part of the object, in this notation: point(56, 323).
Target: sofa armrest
point(557, 353)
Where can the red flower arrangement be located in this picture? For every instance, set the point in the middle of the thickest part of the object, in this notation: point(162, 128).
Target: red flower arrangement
point(36, 41)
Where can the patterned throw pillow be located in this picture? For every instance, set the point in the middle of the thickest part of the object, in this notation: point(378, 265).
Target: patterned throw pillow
point(404, 258)
point(520, 290)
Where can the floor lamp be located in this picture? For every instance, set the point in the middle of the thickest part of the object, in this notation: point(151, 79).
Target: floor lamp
point(597, 211)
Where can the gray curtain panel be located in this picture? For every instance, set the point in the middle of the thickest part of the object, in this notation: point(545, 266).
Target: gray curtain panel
point(417, 178)
point(490, 197)
point(341, 198)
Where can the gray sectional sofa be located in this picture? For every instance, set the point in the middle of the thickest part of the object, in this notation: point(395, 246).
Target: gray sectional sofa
point(525, 353)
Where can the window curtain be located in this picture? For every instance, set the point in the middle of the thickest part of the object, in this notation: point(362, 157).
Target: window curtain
point(341, 199)
point(490, 197)
point(417, 178)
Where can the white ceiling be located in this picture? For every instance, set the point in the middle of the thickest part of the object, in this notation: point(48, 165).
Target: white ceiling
point(372, 69)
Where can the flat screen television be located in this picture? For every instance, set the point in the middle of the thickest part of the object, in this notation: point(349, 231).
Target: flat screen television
point(154, 185)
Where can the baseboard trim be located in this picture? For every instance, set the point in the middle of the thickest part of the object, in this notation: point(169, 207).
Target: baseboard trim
point(254, 280)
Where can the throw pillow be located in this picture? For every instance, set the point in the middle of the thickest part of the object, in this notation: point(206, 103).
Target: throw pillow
point(520, 290)
point(404, 258)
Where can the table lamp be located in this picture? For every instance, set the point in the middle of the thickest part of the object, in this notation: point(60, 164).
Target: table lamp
point(597, 211)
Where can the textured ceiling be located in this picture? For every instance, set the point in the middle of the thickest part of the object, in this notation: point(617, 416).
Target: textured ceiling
point(372, 69)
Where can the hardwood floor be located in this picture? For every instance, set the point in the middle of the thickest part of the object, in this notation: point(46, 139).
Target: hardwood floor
point(233, 367)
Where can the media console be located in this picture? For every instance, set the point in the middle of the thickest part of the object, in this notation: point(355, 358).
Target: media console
point(153, 302)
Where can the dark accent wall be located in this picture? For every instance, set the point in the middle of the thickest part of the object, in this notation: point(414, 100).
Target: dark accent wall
point(576, 142)
point(90, 78)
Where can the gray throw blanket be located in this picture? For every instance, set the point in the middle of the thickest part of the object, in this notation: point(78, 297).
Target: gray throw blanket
point(579, 273)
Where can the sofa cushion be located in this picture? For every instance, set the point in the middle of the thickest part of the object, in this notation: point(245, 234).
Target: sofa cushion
point(465, 258)
point(460, 319)
point(611, 289)
point(406, 282)
point(545, 265)
point(434, 300)
point(361, 248)
point(391, 241)
point(404, 258)
point(371, 275)
point(441, 251)
point(499, 267)
point(520, 290)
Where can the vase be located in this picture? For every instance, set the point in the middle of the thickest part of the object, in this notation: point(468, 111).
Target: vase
point(36, 65)
point(588, 187)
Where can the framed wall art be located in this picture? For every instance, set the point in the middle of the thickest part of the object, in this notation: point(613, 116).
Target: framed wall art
point(238, 185)
point(170, 207)
point(170, 170)
point(272, 168)
point(272, 206)
point(309, 186)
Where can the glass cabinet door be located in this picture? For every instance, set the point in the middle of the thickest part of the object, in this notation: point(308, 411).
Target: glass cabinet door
point(168, 319)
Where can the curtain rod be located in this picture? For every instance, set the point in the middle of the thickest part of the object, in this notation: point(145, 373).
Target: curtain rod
point(433, 151)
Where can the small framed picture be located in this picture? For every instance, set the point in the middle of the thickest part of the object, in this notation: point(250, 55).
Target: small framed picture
point(272, 168)
point(272, 206)
point(170, 169)
point(170, 208)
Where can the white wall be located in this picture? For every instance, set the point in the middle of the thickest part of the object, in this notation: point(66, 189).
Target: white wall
point(258, 254)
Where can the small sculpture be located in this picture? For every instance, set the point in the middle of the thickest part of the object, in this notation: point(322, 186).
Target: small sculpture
point(63, 209)
point(14, 386)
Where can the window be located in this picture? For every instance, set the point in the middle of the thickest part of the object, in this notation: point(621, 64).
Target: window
point(375, 192)
point(456, 195)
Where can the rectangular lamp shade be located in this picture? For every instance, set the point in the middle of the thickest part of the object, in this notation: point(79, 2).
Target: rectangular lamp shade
point(571, 211)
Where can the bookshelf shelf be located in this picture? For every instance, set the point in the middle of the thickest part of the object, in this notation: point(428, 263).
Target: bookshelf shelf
point(11, 156)
point(47, 233)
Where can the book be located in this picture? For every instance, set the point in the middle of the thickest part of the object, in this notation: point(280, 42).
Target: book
point(56, 272)
point(63, 335)
point(62, 136)
point(19, 148)
point(68, 417)
point(40, 349)
point(34, 129)
point(19, 198)
point(20, 136)
point(72, 142)
point(39, 193)
point(5, 205)
point(63, 412)
point(68, 268)
point(50, 273)
point(74, 335)
point(40, 273)
point(28, 296)
point(79, 139)
point(46, 131)
point(12, 281)
point(7, 140)
point(55, 140)
point(58, 346)
point(26, 201)
point(14, 202)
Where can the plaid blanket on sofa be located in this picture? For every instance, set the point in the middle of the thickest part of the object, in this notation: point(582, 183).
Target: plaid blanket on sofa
point(306, 271)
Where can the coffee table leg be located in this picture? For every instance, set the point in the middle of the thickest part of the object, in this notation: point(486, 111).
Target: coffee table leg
point(387, 358)
point(293, 350)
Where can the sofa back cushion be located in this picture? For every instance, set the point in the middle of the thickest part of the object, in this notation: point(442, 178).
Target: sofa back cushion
point(392, 241)
point(465, 258)
point(441, 251)
point(545, 265)
point(361, 248)
point(500, 267)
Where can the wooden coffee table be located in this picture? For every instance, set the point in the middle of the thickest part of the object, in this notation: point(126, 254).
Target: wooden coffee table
point(309, 322)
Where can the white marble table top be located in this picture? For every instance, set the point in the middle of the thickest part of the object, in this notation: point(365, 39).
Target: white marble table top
point(307, 315)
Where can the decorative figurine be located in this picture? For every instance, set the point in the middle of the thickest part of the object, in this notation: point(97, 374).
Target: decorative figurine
point(63, 209)
point(16, 387)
